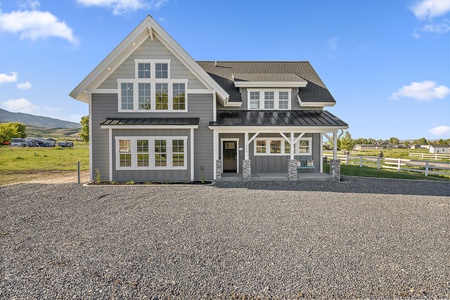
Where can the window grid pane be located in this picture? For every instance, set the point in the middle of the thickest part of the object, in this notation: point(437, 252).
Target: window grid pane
point(304, 147)
point(162, 96)
point(275, 147)
point(144, 93)
point(126, 96)
point(161, 70)
point(144, 70)
point(160, 153)
point(287, 147)
point(269, 98)
point(178, 153)
point(179, 96)
point(260, 146)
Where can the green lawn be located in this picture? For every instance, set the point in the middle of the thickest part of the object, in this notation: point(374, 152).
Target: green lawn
point(23, 160)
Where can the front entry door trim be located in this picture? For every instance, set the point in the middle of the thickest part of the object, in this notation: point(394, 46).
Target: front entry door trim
point(237, 150)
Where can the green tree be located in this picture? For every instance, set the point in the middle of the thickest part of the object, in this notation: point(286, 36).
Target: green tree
point(84, 132)
point(21, 129)
point(346, 142)
point(8, 131)
point(421, 141)
point(394, 140)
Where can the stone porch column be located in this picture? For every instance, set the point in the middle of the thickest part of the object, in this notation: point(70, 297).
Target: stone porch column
point(335, 169)
point(246, 170)
point(218, 169)
point(292, 169)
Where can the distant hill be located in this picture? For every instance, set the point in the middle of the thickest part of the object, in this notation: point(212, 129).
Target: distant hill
point(36, 121)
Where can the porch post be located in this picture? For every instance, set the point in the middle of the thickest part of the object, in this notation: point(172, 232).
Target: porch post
point(291, 164)
point(192, 155)
point(217, 165)
point(334, 145)
point(292, 145)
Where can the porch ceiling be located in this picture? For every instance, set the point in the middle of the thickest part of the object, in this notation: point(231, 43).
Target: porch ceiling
point(306, 118)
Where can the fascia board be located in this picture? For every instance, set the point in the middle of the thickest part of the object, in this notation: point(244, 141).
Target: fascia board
point(270, 84)
point(276, 129)
point(314, 104)
point(149, 126)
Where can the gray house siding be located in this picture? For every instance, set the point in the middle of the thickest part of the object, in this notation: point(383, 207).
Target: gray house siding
point(272, 164)
point(151, 50)
point(106, 106)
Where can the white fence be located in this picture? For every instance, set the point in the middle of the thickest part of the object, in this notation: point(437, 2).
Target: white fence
point(435, 156)
point(399, 164)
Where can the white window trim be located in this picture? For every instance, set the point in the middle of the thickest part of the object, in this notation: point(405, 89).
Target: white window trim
point(296, 147)
point(276, 98)
point(151, 152)
point(152, 63)
point(153, 83)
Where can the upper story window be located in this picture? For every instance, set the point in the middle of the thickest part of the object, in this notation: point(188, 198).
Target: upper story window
point(269, 99)
point(152, 89)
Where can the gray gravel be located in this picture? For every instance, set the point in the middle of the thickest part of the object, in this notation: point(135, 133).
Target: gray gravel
point(360, 238)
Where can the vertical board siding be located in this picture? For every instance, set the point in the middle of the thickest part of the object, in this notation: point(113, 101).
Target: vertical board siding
point(151, 50)
point(199, 106)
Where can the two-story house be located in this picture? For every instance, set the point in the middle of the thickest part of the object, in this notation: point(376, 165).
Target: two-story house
point(156, 114)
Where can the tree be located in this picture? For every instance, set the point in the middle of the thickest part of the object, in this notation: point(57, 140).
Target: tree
point(394, 140)
point(421, 141)
point(346, 142)
point(84, 132)
point(8, 131)
point(21, 129)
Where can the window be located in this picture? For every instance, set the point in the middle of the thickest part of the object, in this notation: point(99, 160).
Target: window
point(125, 153)
point(127, 96)
point(152, 89)
point(144, 91)
point(272, 99)
point(143, 70)
point(269, 100)
point(162, 96)
point(151, 153)
point(279, 146)
point(254, 100)
point(161, 70)
point(283, 100)
point(160, 153)
point(179, 96)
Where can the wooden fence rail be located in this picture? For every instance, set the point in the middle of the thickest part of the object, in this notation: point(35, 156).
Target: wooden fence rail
point(423, 166)
point(435, 156)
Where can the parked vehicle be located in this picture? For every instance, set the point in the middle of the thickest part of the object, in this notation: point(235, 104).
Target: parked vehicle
point(17, 142)
point(65, 144)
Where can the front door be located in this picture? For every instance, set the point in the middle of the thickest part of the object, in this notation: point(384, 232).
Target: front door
point(229, 149)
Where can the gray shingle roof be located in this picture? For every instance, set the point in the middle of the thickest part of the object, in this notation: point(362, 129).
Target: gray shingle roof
point(315, 91)
point(150, 121)
point(277, 118)
point(268, 77)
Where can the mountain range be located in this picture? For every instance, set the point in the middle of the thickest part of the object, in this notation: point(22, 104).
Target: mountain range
point(36, 121)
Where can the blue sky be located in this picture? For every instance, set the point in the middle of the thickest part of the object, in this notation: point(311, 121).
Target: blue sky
point(386, 62)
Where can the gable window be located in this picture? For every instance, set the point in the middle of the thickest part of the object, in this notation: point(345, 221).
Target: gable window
point(152, 89)
point(279, 146)
point(269, 99)
point(151, 153)
point(161, 70)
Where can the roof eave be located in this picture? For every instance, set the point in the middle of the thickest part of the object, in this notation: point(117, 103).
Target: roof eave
point(270, 84)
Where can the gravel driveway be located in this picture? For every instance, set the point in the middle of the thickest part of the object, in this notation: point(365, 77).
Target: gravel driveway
point(366, 238)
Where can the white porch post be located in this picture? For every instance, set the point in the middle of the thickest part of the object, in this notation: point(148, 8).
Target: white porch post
point(192, 154)
point(246, 154)
point(292, 145)
point(215, 152)
point(110, 154)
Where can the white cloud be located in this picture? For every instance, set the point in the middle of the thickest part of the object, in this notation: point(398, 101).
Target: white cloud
point(19, 105)
point(24, 85)
point(31, 4)
point(440, 130)
point(35, 25)
point(50, 108)
point(8, 78)
point(429, 9)
point(123, 6)
point(422, 91)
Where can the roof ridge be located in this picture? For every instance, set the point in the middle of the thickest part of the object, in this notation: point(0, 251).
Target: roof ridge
point(255, 61)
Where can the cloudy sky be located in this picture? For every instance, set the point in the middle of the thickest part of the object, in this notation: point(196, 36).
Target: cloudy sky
point(386, 62)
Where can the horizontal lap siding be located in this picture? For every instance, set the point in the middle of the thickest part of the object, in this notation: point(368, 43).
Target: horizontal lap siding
point(151, 50)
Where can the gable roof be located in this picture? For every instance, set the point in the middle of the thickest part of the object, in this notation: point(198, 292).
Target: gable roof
point(148, 28)
point(226, 72)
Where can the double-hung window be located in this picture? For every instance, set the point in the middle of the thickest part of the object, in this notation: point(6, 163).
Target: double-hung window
point(279, 146)
point(151, 153)
point(152, 89)
point(269, 99)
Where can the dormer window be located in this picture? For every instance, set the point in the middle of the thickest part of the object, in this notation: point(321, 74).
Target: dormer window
point(152, 89)
point(269, 99)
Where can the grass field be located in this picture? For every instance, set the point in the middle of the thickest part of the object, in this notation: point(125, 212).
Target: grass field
point(16, 163)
